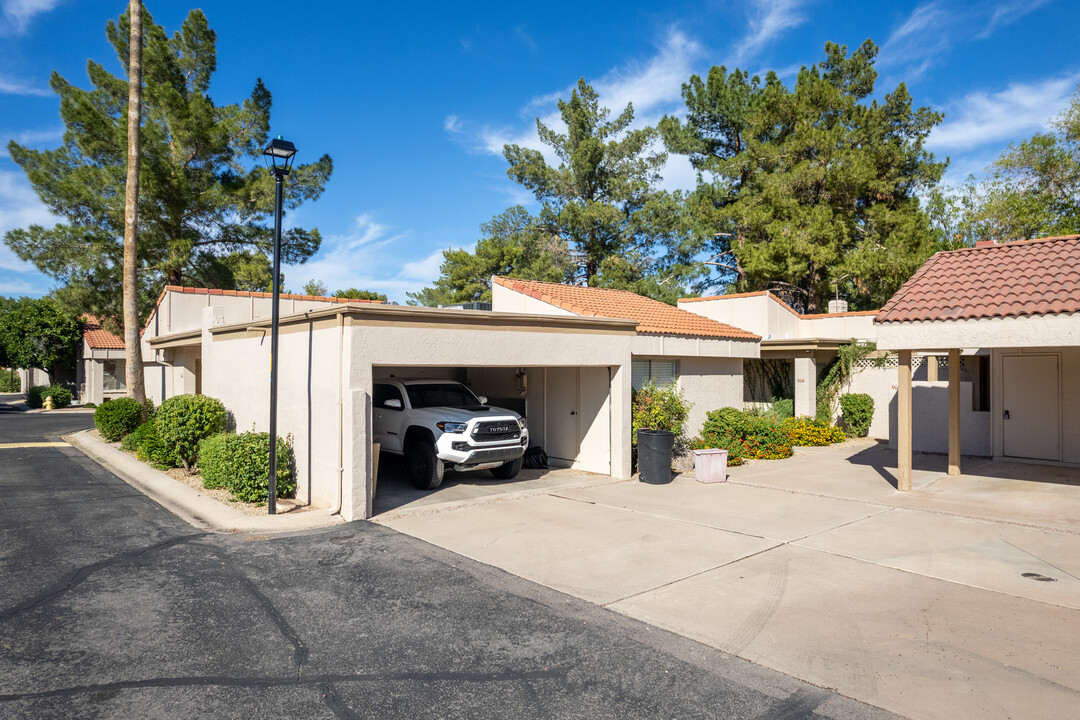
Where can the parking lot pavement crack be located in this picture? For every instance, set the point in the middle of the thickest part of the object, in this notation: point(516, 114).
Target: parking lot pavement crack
point(694, 575)
point(1042, 560)
point(323, 681)
point(76, 577)
point(332, 701)
point(300, 651)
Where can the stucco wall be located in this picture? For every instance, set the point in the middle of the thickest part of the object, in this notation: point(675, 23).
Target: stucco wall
point(237, 372)
point(503, 299)
point(1018, 332)
point(930, 420)
point(709, 383)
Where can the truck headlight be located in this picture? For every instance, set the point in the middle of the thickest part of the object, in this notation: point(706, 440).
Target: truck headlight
point(451, 427)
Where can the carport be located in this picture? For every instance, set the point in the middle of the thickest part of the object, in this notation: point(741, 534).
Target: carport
point(1020, 301)
point(570, 377)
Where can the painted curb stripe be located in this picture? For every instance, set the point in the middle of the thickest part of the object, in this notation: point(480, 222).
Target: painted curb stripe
point(9, 446)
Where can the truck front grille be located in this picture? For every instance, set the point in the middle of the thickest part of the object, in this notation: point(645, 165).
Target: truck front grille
point(494, 430)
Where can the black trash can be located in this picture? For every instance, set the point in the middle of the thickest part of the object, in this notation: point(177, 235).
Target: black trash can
point(654, 455)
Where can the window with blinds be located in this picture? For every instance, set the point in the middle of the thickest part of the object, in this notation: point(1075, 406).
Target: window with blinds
point(663, 372)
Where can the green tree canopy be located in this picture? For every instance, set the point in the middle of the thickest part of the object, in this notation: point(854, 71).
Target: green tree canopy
point(204, 194)
point(602, 199)
point(38, 333)
point(1033, 189)
point(812, 189)
point(355, 294)
point(515, 244)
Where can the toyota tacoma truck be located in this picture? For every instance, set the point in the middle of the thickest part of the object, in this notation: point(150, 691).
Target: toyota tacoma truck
point(440, 424)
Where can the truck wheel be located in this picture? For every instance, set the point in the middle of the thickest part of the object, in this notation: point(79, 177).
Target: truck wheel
point(425, 467)
point(507, 470)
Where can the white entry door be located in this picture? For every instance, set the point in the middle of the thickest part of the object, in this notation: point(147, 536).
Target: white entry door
point(1031, 409)
point(563, 390)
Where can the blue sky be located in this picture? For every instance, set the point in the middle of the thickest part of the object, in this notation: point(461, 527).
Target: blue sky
point(414, 100)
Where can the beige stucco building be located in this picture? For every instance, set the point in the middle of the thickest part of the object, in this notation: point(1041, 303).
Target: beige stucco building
point(1021, 302)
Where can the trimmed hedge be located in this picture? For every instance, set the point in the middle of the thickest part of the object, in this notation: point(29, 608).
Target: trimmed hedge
point(240, 463)
point(118, 417)
point(35, 396)
point(758, 437)
point(183, 421)
point(858, 412)
point(9, 381)
point(149, 448)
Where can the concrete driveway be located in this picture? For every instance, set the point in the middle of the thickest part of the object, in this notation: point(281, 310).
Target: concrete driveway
point(959, 599)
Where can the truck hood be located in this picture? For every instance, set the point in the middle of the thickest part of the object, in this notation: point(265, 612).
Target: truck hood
point(464, 414)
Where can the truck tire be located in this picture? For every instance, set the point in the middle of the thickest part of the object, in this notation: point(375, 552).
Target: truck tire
point(425, 467)
point(507, 470)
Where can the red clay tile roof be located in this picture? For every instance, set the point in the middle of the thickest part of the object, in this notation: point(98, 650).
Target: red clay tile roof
point(653, 317)
point(97, 337)
point(1030, 277)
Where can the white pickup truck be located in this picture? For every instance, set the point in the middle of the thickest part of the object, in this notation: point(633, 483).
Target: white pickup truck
point(437, 424)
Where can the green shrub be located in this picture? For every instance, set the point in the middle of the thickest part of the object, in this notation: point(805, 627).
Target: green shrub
point(858, 410)
point(807, 431)
point(118, 417)
point(150, 448)
point(35, 396)
point(130, 442)
point(726, 421)
point(736, 448)
point(216, 459)
point(783, 408)
point(758, 437)
point(183, 421)
point(766, 439)
point(9, 381)
point(659, 409)
point(241, 464)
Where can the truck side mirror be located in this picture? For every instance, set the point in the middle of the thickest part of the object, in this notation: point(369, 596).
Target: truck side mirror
point(482, 399)
point(392, 403)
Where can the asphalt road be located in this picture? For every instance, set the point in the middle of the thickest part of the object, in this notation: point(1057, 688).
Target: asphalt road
point(111, 607)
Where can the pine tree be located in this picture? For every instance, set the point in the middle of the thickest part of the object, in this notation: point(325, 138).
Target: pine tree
point(204, 195)
point(812, 190)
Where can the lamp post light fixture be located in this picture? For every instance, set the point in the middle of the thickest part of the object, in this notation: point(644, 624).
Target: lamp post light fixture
point(279, 156)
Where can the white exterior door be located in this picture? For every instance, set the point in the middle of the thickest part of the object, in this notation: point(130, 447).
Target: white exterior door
point(563, 391)
point(1031, 407)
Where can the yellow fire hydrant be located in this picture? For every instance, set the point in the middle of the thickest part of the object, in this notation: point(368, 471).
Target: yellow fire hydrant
point(48, 403)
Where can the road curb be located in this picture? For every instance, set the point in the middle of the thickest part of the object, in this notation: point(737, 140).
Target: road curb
point(188, 504)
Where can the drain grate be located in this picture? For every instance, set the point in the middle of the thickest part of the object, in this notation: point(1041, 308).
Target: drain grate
point(1039, 577)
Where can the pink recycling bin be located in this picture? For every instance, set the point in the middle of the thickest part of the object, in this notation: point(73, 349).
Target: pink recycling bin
point(710, 466)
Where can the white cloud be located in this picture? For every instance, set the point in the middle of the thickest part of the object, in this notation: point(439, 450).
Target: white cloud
point(1009, 12)
point(423, 271)
point(12, 86)
point(771, 19)
point(18, 13)
point(452, 123)
point(1006, 116)
point(369, 258)
point(653, 87)
point(919, 41)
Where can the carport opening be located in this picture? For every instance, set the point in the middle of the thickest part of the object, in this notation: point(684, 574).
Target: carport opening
point(566, 411)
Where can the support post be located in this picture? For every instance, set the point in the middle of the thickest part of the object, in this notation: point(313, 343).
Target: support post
point(954, 412)
point(931, 368)
point(903, 421)
point(805, 386)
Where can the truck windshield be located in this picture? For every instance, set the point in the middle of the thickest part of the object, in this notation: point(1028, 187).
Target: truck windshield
point(440, 395)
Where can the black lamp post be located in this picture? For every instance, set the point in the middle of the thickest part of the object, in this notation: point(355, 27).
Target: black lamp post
point(279, 156)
